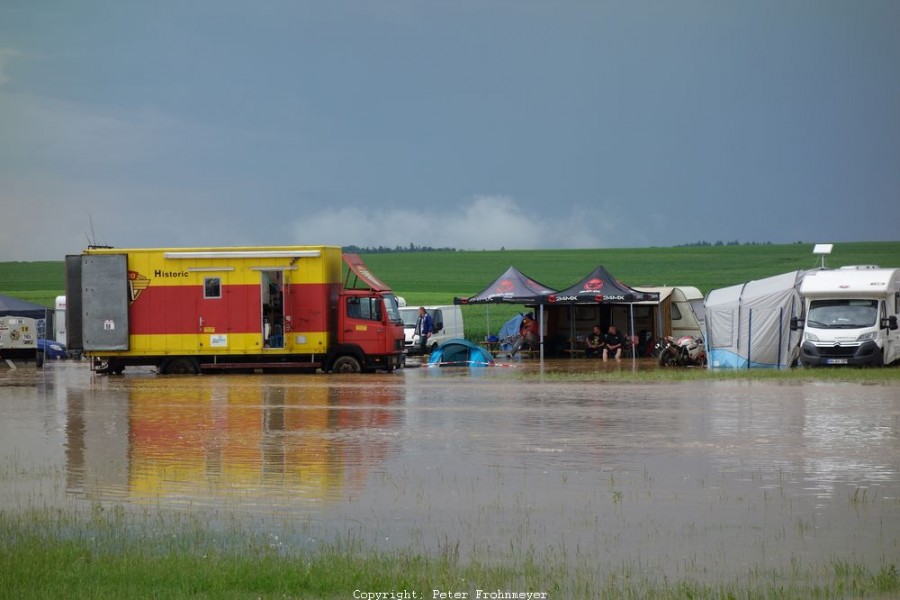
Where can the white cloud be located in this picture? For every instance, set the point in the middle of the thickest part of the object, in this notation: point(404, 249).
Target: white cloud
point(479, 223)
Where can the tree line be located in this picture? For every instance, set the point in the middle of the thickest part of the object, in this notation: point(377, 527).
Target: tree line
point(352, 249)
point(704, 243)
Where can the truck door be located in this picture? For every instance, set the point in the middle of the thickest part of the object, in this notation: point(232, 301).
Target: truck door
point(272, 298)
point(363, 323)
point(104, 295)
point(213, 324)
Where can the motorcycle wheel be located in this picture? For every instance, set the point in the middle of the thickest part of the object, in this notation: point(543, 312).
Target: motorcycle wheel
point(668, 357)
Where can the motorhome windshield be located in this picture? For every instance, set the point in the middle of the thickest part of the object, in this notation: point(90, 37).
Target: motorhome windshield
point(842, 314)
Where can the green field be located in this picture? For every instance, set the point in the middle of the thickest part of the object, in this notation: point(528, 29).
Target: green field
point(436, 277)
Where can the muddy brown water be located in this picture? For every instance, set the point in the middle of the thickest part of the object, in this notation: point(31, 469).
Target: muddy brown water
point(697, 478)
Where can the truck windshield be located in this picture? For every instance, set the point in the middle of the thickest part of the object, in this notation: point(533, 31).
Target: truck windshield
point(842, 314)
point(392, 308)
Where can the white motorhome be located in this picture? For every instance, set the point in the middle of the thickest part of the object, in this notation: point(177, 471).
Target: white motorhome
point(448, 324)
point(850, 316)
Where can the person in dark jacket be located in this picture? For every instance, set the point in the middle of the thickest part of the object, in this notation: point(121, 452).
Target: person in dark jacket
point(424, 328)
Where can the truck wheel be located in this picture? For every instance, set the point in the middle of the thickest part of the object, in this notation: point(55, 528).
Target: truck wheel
point(181, 366)
point(346, 364)
point(115, 368)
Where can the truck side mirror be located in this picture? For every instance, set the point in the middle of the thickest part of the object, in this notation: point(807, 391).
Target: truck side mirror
point(889, 323)
point(796, 323)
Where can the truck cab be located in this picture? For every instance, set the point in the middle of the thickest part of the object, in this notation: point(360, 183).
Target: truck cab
point(850, 316)
point(369, 328)
point(370, 332)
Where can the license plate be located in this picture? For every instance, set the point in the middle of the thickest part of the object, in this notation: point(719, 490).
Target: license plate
point(836, 361)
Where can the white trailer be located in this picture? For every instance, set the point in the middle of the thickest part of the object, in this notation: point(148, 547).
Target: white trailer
point(19, 341)
point(850, 316)
point(59, 320)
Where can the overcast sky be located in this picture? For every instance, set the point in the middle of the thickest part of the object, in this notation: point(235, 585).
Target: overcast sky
point(472, 124)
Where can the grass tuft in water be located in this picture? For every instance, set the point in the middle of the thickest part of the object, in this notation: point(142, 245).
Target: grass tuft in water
point(103, 553)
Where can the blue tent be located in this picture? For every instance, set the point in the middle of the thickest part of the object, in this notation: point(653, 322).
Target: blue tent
point(509, 332)
point(460, 353)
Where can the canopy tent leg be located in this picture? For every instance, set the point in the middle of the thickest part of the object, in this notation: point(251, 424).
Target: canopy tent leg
point(631, 336)
point(541, 331)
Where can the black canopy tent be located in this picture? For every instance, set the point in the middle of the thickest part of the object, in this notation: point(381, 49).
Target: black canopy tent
point(599, 287)
point(514, 287)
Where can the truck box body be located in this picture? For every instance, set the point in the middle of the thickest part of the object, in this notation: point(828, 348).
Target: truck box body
point(213, 306)
point(851, 316)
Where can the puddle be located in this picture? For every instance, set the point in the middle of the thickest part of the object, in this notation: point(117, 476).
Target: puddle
point(693, 478)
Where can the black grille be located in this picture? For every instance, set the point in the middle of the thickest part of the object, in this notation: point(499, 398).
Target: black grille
point(838, 351)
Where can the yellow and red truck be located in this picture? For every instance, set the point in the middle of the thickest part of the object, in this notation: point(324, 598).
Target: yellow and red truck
point(190, 310)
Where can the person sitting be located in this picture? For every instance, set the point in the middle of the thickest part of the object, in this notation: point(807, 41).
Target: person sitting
point(593, 343)
point(528, 334)
point(613, 343)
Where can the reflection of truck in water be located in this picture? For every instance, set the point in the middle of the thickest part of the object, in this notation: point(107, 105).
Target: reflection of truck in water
point(195, 309)
point(850, 316)
point(448, 324)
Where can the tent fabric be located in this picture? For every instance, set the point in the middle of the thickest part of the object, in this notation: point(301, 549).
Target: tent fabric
point(748, 325)
point(10, 306)
point(509, 331)
point(460, 353)
point(512, 286)
point(601, 287)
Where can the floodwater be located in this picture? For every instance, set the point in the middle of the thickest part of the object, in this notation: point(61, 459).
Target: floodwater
point(704, 478)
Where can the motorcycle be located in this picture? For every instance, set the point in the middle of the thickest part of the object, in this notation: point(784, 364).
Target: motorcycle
point(682, 352)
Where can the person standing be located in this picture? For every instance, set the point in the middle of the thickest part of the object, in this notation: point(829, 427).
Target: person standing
point(614, 342)
point(424, 328)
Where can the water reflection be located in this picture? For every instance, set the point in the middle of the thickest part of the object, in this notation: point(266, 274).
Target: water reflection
point(215, 440)
point(732, 475)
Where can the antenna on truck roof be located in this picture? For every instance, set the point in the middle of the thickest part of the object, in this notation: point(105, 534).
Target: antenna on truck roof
point(92, 239)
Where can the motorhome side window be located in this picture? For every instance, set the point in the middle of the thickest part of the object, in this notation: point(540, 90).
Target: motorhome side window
point(212, 287)
point(364, 308)
point(676, 313)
